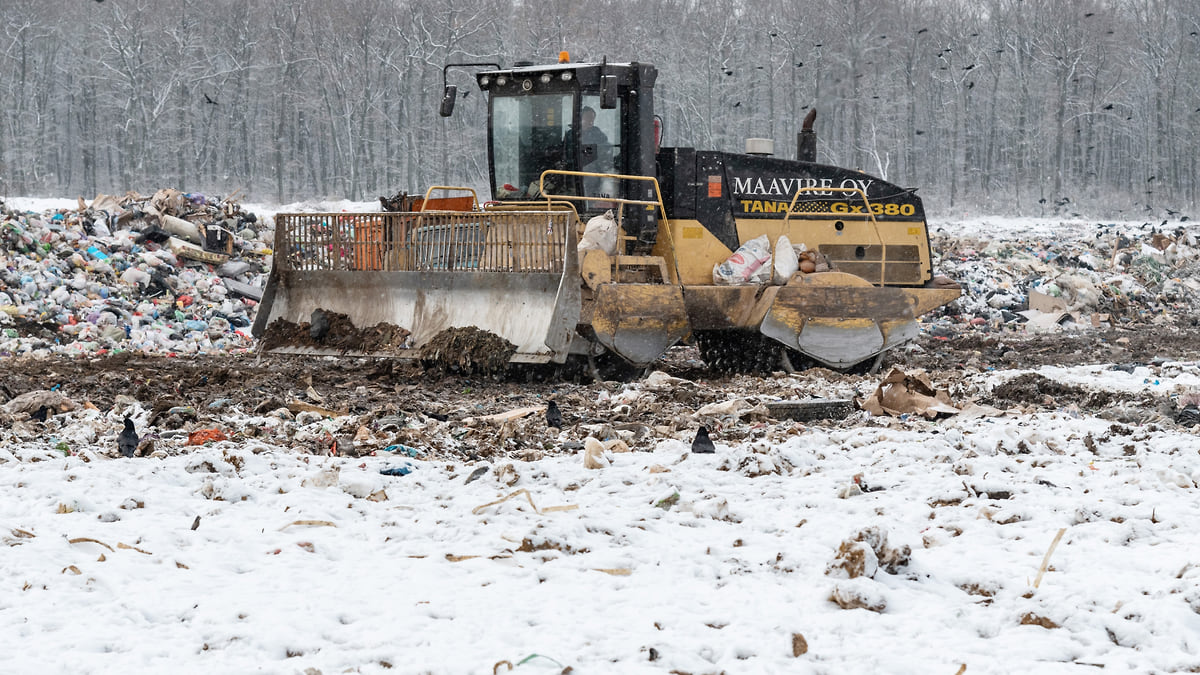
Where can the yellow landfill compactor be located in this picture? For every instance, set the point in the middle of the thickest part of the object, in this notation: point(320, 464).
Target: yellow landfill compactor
point(599, 245)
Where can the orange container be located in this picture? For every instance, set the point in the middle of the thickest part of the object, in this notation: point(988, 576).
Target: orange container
point(368, 244)
point(445, 204)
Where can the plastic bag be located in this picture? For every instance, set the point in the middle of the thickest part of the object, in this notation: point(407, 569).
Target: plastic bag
point(600, 233)
point(786, 261)
point(747, 265)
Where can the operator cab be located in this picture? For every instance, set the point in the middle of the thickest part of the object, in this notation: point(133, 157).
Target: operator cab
point(588, 117)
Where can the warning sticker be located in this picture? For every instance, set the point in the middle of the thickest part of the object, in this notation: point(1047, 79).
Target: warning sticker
point(714, 186)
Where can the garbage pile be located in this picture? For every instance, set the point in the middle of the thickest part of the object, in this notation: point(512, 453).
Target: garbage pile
point(1104, 276)
point(174, 273)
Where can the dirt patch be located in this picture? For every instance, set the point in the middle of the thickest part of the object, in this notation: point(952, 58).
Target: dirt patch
point(467, 350)
point(1034, 389)
point(27, 328)
point(1018, 350)
point(418, 406)
point(335, 331)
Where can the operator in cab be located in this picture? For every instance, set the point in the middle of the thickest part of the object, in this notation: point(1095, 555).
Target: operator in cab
point(595, 151)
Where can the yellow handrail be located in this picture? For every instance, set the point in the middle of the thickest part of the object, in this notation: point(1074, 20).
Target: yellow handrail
point(869, 213)
point(662, 209)
point(474, 195)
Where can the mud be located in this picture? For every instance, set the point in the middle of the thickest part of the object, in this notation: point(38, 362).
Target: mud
point(391, 394)
point(467, 351)
point(1008, 350)
point(249, 380)
point(340, 334)
point(1033, 389)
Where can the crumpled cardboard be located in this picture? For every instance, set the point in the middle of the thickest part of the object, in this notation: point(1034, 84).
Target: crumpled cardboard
point(33, 400)
point(903, 393)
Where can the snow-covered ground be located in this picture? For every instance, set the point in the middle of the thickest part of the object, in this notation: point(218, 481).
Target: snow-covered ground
point(663, 561)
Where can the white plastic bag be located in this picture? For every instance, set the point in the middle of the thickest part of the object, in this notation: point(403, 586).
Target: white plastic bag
point(600, 233)
point(786, 261)
point(748, 264)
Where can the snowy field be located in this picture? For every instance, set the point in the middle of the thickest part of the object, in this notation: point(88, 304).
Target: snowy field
point(1032, 541)
point(251, 557)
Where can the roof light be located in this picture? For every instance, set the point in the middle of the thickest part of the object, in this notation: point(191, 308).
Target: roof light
point(502, 80)
point(566, 76)
point(545, 78)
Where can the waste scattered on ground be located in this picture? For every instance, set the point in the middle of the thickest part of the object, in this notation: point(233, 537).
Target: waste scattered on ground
point(1071, 276)
point(458, 487)
point(173, 273)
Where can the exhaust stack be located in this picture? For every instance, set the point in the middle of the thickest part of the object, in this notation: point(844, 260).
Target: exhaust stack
point(806, 140)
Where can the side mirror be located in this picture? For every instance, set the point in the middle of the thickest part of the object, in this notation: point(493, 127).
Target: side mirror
point(608, 92)
point(449, 96)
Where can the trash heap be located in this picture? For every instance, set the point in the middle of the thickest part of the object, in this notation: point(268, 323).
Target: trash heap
point(1105, 276)
point(174, 273)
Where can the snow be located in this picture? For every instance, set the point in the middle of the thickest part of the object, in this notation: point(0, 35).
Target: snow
point(660, 562)
point(293, 566)
point(41, 204)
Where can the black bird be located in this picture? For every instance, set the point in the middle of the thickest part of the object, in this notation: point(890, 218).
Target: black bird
point(127, 440)
point(702, 444)
point(208, 99)
point(553, 416)
point(41, 414)
point(1188, 417)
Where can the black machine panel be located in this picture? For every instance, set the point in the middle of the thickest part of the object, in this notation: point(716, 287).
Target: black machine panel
point(717, 187)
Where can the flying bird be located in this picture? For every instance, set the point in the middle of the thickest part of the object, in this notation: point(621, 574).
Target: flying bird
point(208, 99)
point(553, 416)
point(702, 444)
point(127, 440)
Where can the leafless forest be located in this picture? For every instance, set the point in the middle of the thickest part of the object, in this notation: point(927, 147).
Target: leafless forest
point(1016, 106)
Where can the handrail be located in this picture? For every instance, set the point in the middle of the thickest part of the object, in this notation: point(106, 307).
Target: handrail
point(524, 205)
point(474, 195)
point(658, 201)
point(869, 213)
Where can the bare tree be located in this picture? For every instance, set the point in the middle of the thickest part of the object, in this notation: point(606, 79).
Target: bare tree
point(1023, 106)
